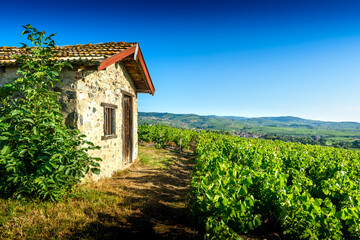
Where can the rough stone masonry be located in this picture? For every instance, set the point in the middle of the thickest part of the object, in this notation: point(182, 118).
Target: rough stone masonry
point(81, 96)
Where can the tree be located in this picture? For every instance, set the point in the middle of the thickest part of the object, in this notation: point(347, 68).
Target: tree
point(39, 156)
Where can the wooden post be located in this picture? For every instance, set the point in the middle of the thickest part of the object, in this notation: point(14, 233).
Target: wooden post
point(180, 141)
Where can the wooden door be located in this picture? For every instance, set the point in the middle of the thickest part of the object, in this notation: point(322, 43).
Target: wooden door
point(127, 116)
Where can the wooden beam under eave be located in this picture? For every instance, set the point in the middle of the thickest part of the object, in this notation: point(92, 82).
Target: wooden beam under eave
point(143, 91)
point(135, 76)
point(142, 76)
point(141, 73)
point(144, 85)
point(145, 72)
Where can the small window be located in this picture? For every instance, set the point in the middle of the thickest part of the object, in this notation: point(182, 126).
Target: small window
point(109, 125)
point(109, 121)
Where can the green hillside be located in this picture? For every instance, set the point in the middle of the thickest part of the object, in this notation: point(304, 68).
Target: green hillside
point(333, 132)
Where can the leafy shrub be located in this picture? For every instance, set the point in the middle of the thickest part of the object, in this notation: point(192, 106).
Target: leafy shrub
point(39, 156)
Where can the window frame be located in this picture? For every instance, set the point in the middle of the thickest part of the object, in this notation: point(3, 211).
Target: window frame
point(113, 108)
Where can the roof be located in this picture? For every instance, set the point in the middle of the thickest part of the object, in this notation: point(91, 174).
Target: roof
point(102, 55)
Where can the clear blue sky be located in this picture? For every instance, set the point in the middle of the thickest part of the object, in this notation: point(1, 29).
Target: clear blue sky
point(242, 58)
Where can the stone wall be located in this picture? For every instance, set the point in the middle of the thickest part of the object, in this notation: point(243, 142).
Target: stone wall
point(94, 88)
point(8, 75)
point(81, 96)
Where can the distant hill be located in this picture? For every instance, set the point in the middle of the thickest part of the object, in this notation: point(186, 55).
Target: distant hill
point(191, 121)
point(222, 122)
point(286, 125)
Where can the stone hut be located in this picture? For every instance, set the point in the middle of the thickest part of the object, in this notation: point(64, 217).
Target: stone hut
point(99, 96)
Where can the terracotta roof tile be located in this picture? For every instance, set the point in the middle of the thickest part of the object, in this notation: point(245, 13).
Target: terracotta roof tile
point(72, 53)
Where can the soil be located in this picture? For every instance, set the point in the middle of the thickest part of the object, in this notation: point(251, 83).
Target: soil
point(157, 202)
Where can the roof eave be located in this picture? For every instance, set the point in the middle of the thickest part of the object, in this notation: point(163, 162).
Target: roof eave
point(145, 70)
point(138, 58)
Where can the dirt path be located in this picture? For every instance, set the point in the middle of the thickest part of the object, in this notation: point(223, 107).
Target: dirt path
point(157, 200)
point(147, 201)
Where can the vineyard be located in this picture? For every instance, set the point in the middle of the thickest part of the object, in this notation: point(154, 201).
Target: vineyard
point(312, 192)
point(163, 135)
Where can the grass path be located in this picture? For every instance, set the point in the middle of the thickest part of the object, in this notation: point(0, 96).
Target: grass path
point(146, 201)
point(156, 190)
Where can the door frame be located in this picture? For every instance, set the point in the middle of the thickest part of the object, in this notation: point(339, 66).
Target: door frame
point(131, 137)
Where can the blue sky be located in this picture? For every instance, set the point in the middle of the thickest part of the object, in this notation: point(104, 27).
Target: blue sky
point(241, 58)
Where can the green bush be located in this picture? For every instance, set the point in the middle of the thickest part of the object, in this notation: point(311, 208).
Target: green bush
point(39, 156)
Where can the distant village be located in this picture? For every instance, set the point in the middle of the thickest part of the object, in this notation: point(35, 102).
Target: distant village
point(247, 134)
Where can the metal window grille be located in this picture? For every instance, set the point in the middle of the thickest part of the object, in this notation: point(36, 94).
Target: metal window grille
point(109, 121)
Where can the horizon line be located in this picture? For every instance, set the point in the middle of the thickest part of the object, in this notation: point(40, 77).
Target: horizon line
point(212, 115)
